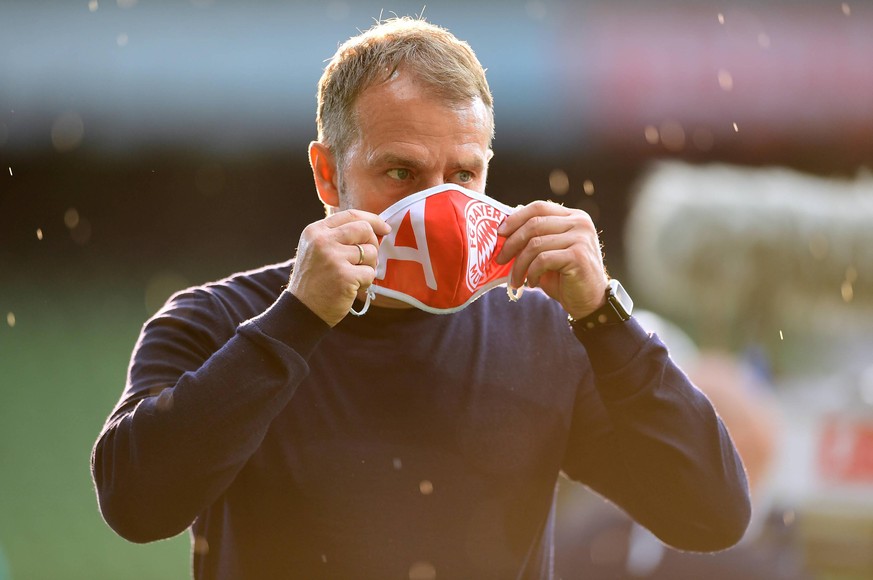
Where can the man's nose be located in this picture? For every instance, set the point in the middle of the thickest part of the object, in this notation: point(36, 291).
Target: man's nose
point(433, 181)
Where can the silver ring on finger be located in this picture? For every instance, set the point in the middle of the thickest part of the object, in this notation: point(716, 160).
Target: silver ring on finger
point(360, 254)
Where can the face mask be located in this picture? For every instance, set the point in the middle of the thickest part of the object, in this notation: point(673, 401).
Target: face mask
point(440, 254)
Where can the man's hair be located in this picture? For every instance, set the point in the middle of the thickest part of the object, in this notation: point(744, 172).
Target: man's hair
point(432, 54)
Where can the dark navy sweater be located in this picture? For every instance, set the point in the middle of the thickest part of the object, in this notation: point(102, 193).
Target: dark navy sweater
point(400, 444)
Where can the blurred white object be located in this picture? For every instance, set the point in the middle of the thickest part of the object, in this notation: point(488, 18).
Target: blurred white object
point(739, 250)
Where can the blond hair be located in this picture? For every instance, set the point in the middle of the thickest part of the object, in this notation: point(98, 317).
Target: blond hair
point(432, 54)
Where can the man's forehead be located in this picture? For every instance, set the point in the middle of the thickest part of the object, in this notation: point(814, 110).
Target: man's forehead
point(403, 93)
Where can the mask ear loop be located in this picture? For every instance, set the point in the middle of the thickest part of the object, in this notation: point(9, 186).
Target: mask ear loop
point(371, 294)
point(513, 293)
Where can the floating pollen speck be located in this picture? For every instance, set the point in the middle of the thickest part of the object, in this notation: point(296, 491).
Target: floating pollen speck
point(781, 337)
point(200, 545)
point(10, 319)
point(422, 571)
point(736, 128)
point(10, 171)
point(39, 233)
point(725, 80)
point(847, 291)
point(71, 218)
point(559, 182)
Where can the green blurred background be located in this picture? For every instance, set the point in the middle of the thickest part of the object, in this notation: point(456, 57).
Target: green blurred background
point(147, 146)
point(63, 365)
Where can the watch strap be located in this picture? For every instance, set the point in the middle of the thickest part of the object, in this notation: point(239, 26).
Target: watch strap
point(612, 312)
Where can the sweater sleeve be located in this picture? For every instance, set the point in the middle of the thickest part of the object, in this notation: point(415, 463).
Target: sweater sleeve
point(200, 396)
point(650, 441)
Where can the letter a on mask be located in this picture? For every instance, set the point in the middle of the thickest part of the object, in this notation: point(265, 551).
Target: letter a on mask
point(389, 250)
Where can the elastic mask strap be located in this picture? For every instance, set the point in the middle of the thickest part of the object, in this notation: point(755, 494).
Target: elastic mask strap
point(370, 296)
point(514, 293)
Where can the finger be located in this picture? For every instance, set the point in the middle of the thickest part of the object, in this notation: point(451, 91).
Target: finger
point(536, 246)
point(363, 254)
point(559, 260)
point(534, 227)
point(356, 232)
point(519, 217)
point(377, 224)
point(357, 257)
point(365, 281)
point(361, 275)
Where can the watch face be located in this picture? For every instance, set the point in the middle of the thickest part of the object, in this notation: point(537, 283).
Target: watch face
point(623, 300)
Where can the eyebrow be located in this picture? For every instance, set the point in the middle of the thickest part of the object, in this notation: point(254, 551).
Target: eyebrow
point(392, 160)
point(472, 163)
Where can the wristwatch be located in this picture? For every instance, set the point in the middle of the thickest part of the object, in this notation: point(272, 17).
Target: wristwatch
point(618, 308)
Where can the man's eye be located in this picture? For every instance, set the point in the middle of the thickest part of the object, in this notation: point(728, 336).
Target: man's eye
point(399, 174)
point(465, 176)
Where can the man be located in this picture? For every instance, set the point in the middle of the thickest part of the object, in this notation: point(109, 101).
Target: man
point(300, 442)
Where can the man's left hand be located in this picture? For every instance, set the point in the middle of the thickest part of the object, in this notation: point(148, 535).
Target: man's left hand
point(557, 249)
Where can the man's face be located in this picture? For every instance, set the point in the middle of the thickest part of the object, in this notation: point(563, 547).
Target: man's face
point(410, 140)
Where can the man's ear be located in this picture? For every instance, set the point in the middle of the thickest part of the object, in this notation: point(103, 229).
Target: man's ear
point(324, 170)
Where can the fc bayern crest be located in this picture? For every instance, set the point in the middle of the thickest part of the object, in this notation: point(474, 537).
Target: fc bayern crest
point(482, 222)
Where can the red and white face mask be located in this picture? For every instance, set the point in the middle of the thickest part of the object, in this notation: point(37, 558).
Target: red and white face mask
point(440, 254)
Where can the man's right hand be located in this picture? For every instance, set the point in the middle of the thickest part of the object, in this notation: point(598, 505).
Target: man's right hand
point(329, 272)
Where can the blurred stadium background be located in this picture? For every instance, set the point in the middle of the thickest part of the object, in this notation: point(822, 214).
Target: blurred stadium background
point(146, 145)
